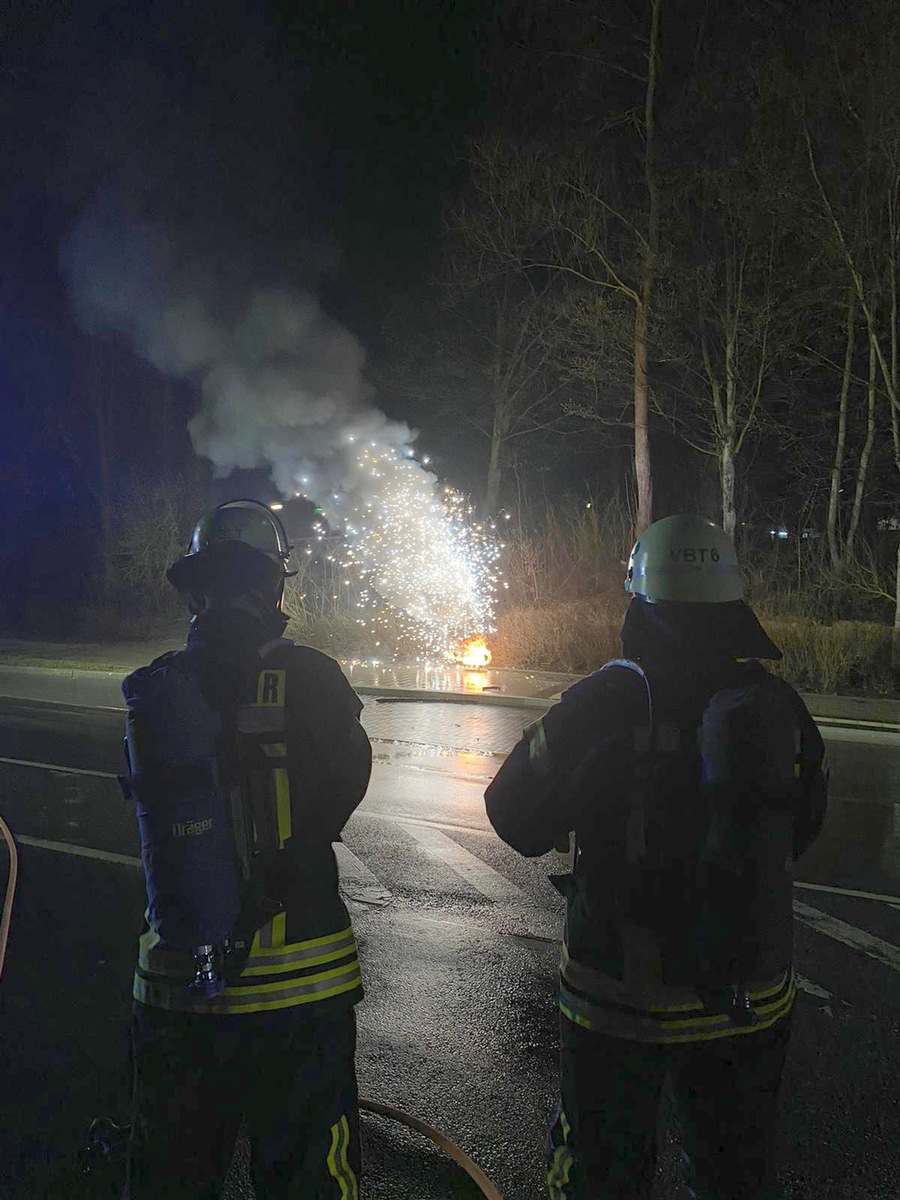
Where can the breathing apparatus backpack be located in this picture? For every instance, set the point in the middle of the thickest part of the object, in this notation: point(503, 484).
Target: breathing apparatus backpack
point(709, 834)
point(209, 785)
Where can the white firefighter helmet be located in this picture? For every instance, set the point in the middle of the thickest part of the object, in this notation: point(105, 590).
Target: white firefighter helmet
point(686, 559)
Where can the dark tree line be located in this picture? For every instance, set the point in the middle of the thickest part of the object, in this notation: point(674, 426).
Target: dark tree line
point(681, 220)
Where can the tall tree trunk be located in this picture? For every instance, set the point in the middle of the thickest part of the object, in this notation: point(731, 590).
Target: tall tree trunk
point(495, 472)
point(835, 549)
point(642, 473)
point(642, 468)
point(729, 428)
point(726, 471)
point(500, 426)
point(862, 468)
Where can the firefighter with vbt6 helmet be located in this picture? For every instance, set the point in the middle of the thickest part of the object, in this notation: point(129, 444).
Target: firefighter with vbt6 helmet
point(246, 757)
point(692, 779)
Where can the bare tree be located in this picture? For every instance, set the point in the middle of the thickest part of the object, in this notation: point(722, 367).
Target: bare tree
point(858, 197)
point(736, 312)
point(604, 238)
point(649, 256)
point(501, 300)
point(842, 524)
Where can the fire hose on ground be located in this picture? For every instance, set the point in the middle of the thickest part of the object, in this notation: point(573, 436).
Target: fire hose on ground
point(107, 1141)
point(458, 1155)
point(10, 893)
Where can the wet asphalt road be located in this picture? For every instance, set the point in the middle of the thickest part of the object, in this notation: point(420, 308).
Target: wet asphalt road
point(455, 932)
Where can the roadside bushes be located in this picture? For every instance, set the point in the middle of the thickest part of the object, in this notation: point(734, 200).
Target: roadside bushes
point(578, 636)
point(835, 656)
point(338, 635)
point(145, 531)
point(565, 600)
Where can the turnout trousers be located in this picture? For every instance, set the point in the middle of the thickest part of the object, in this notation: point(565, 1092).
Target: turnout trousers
point(602, 1144)
point(292, 1082)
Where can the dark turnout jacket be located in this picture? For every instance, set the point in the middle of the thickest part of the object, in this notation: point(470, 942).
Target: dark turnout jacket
point(631, 962)
point(299, 716)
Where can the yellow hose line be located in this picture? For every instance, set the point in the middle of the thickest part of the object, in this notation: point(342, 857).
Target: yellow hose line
point(6, 914)
point(459, 1156)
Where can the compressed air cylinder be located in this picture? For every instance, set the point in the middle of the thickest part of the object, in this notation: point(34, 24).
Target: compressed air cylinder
point(175, 778)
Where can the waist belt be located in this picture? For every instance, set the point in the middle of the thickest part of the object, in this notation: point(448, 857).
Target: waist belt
point(656, 1012)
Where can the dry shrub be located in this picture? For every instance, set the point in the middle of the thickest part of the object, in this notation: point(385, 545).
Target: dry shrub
point(577, 636)
point(837, 656)
point(577, 552)
point(149, 528)
point(563, 601)
point(339, 636)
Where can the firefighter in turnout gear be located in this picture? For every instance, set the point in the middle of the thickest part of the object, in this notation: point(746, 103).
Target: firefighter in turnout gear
point(692, 780)
point(246, 757)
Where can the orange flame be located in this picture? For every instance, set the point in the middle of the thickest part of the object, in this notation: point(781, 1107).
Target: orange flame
point(473, 652)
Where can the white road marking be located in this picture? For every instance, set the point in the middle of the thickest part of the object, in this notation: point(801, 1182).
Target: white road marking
point(357, 881)
point(826, 723)
point(124, 860)
point(864, 736)
point(858, 939)
point(400, 818)
point(894, 901)
point(425, 769)
point(42, 766)
point(812, 989)
point(482, 877)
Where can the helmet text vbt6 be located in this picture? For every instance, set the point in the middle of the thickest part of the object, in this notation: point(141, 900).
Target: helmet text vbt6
point(686, 559)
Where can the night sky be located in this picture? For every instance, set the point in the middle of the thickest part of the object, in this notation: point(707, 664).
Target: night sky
point(306, 145)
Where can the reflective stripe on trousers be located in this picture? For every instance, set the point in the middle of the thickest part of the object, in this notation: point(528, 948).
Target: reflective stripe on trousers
point(338, 1166)
point(725, 1091)
point(561, 1159)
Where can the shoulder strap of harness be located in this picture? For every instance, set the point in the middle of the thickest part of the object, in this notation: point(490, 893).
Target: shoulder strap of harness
point(636, 834)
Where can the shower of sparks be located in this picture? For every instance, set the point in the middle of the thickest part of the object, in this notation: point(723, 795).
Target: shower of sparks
point(415, 548)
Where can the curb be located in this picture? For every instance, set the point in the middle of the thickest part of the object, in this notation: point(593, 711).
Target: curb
point(419, 695)
point(67, 672)
point(497, 699)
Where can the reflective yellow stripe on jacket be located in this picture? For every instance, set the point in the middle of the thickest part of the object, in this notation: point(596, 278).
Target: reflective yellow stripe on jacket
point(273, 977)
point(600, 1003)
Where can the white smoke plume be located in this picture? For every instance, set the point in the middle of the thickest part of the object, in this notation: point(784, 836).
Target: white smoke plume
point(282, 388)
